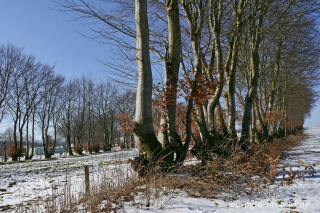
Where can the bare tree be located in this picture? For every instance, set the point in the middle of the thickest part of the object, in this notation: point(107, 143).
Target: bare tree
point(106, 99)
point(48, 110)
point(66, 121)
point(5, 139)
point(22, 97)
point(126, 109)
point(239, 48)
point(144, 131)
point(10, 57)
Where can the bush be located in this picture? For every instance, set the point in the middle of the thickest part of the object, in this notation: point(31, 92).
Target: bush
point(12, 152)
point(88, 147)
point(106, 147)
point(92, 147)
point(78, 148)
point(96, 147)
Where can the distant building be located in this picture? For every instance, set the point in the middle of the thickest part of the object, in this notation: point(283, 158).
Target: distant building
point(40, 151)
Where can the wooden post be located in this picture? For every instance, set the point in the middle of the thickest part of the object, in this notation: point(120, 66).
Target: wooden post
point(86, 180)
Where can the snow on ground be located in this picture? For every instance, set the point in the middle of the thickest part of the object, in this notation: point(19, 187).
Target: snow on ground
point(25, 184)
point(302, 196)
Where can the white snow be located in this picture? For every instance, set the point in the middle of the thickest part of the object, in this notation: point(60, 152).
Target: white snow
point(302, 196)
point(25, 184)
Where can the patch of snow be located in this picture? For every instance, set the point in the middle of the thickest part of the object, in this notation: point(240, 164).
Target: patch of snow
point(25, 184)
point(302, 196)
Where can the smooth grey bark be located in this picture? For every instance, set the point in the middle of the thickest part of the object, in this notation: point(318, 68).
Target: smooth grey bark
point(231, 110)
point(216, 10)
point(143, 127)
point(239, 8)
point(247, 114)
point(261, 120)
point(172, 65)
point(274, 82)
point(253, 130)
point(255, 33)
point(220, 120)
point(272, 101)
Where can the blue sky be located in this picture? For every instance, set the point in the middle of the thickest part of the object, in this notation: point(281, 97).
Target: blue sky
point(314, 119)
point(55, 38)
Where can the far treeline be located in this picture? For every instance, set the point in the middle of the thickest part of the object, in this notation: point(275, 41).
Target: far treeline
point(225, 62)
point(34, 101)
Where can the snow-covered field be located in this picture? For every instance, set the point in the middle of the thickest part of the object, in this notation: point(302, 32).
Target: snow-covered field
point(23, 185)
point(302, 196)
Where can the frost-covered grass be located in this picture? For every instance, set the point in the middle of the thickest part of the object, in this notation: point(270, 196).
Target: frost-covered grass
point(24, 185)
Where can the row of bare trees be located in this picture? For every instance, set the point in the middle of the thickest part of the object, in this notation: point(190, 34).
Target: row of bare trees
point(250, 64)
point(91, 113)
point(37, 103)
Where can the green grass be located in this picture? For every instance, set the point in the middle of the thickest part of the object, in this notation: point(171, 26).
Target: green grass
point(279, 202)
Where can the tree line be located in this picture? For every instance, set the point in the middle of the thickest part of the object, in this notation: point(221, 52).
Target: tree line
point(226, 63)
point(83, 114)
point(250, 65)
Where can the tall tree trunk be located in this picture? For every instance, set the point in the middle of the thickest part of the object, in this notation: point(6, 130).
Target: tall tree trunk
point(54, 139)
point(216, 8)
point(15, 140)
point(253, 129)
point(106, 140)
point(69, 141)
point(27, 140)
point(247, 114)
point(172, 64)
point(112, 132)
point(32, 135)
point(220, 119)
point(274, 82)
point(20, 142)
point(231, 112)
point(255, 32)
point(262, 124)
point(143, 127)
point(231, 79)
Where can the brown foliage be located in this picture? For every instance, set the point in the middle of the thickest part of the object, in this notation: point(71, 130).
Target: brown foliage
point(12, 152)
point(274, 116)
point(88, 146)
point(290, 176)
point(157, 109)
point(92, 147)
point(126, 122)
point(78, 148)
